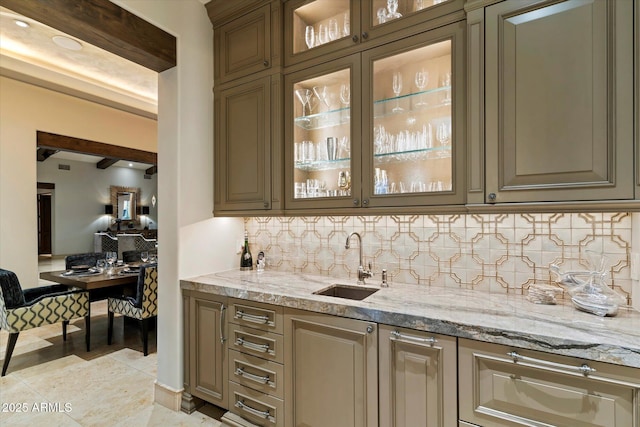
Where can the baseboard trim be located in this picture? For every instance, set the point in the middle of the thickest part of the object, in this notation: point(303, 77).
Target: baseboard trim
point(166, 396)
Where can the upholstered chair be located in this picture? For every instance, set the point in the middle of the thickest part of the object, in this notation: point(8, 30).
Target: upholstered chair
point(89, 259)
point(143, 306)
point(30, 308)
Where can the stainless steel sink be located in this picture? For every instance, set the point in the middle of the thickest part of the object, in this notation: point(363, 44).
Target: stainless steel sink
point(354, 292)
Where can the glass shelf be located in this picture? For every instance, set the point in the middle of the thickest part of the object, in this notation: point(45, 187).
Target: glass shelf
point(340, 116)
point(323, 165)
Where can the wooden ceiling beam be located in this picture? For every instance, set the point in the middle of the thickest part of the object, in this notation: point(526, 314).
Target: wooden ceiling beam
point(85, 146)
point(152, 170)
point(106, 162)
point(105, 25)
point(44, 153)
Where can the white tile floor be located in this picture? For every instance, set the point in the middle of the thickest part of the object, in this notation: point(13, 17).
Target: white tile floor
point(116, 389)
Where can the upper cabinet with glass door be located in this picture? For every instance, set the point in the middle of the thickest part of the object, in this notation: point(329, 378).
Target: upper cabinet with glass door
point(333, 28)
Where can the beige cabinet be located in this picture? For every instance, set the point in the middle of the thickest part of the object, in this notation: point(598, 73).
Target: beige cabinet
point(331, 369)
point(559, 101)
point(206, 349)
point(418, 378)
point(319, 30)
point(505, 386)
point(256, 370)
point(246, 151)
point(381, 128)
point(247, 37)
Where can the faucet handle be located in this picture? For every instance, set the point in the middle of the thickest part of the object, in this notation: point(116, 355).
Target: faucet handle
point(384, 284)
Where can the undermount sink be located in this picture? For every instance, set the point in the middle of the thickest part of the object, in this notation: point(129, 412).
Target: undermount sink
point(354, 292)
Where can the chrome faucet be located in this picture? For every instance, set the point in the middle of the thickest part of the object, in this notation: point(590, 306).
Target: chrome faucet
point(362, 274)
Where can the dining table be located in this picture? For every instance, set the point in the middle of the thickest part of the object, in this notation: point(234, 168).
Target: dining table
point(100, 285)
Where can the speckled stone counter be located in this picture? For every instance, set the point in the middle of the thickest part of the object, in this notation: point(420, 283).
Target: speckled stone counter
point(503, 319)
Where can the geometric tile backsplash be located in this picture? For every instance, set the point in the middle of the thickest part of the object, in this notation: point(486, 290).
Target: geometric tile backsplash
point(501, 253)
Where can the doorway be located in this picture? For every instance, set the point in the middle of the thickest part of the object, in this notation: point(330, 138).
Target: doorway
point(45, 191)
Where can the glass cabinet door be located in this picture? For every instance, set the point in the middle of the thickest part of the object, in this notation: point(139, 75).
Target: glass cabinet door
point(321, 154)
point(319, 27)
point(412, 148)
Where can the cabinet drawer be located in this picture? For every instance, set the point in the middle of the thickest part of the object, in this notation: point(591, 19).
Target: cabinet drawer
point(259, 408)
point(258, 374)
point(259, 343)
point(503, 386)
point(256, 315)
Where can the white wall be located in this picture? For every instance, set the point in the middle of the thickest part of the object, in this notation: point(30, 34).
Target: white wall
point(191, 241)
point(25, 109)
point(79, 197)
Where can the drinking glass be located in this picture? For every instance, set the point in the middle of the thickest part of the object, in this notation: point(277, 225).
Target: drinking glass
point(345, 96)
point(397, 89)
point(310, 36)
point(304, 95)
point(392, 7)
point(333, 31)
point(323, 34)
point(321, 94)
point(346, 25)
point(442, 133)
point(111, 258)
point(422, 78)
point(153, 257)
point(445, 82)
point(144, 256)
point(101, 264)
point(382, 15)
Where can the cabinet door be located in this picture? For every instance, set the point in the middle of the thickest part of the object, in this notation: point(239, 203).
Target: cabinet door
point(418, 378)
point(322, 122)
point(559, 100)
point(413, 111)
point(504, 386)
point(243, 147)
point(243, 46)
point(207, 350)
point(331, 371)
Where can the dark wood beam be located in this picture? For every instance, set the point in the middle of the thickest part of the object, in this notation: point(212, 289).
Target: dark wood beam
point(85, 146)
point(105, 25)
point(106, 162)
point(44, 153)
point(152, 170)
point(47, 185)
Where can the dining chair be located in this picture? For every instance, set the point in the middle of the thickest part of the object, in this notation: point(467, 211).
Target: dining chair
point(89, 259)
point(34, 307)
point(144, 306)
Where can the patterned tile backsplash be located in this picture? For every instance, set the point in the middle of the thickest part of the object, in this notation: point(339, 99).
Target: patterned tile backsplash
point(491, 252)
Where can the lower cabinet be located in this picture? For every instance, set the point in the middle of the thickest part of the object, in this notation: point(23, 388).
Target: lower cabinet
point(207, 349)
point(418, 378)
point(503, 386)
point(331, 371)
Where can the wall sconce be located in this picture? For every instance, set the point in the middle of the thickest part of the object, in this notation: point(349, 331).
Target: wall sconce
point(108, 209)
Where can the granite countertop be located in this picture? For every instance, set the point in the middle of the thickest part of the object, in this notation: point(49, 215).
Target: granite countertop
point(497, 318)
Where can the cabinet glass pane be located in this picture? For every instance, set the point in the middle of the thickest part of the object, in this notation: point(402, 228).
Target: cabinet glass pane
point(322, 129)
point(389, 10)
point(320, 22)
point(412, 132)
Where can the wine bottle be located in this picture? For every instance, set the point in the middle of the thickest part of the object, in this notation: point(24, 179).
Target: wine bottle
point(246, 260)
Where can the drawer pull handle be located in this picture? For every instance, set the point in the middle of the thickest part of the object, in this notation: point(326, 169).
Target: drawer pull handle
point(222, 310)
point(262, 414)
point(395, 335)
point(584, 369)
point(262, 348)
point(252, 377)
point(263, 320)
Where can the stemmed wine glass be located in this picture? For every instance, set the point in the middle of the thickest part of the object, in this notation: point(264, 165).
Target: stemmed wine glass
point(443, 133)
point(397, 89)
point(321, 93)
point(310, 36)
point(144, 256)
point(346, 25)
point(422, 78)
point(304, 95)
point(111, 258)
point(345, 96)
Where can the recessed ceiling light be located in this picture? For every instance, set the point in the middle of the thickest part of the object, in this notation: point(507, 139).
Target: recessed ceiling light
point(130, 165)
point(22, 24)
point(66, 42)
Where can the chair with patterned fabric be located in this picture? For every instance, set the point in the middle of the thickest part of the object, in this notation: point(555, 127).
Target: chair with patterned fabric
point(143, 307)
point(88, 259)
point(30, 308)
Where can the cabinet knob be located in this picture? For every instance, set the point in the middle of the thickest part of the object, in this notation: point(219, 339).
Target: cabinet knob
point(356, 202)
point(370, 329)
point(354, 38)
point(265, 63)
point(365, 202)
point(365, 35)
point(492, 197)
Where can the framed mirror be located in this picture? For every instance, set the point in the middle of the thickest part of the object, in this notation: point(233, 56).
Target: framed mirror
point(125, 201)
